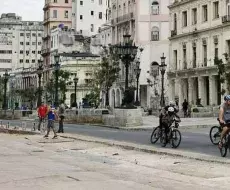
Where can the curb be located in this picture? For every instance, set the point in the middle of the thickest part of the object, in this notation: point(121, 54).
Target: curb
point(20, 132)
point(141, 148)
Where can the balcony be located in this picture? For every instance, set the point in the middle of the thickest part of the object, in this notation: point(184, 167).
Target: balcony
point(225, 18)
point(122, 19)
point(173, 32)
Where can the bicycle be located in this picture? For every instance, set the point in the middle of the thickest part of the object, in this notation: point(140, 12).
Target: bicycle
point(215, 133)
point(225, 146)
point(172, 135)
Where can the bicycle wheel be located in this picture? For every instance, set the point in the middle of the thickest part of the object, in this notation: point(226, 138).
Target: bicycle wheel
point(223, 150)
point(155, 135)
point(175, 138)
point(214, 134)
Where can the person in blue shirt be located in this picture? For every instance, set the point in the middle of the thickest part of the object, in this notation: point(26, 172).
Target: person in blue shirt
point(52, 116)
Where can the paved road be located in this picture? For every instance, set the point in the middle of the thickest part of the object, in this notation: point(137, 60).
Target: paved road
point(195, 140)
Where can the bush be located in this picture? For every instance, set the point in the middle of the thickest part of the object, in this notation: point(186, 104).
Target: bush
point(195, 110)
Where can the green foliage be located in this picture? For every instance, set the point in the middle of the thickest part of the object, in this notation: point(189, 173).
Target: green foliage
point(29, 94)
point(63, 77)
point(105, 76)
point(223, 75)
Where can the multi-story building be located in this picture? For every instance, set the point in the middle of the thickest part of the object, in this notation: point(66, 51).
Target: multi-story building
point(147, 21)
point(57, 13)
point(199, 33)
point(20, 50)
point(88, 16)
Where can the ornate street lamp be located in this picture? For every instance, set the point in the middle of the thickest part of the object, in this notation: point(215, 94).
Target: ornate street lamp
point(137, 71)
point(39, 72)
point(162, 69)
point(127, 52)
point(75, 80)
point(57, 68)
point(6, 77)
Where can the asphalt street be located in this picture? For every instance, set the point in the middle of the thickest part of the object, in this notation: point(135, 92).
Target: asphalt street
point(194, 140)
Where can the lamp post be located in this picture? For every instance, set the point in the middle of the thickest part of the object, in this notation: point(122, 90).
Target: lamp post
point(6, 77)
point(39, 72)
point(127, 52)
point(57, 67)
point(162, 67)
point(137, 71)
point(75, 89)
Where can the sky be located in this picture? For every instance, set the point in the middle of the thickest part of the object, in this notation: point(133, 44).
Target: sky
point(29, 10)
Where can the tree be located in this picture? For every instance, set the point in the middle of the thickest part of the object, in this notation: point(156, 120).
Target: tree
point(63, 77)
point(107, 73)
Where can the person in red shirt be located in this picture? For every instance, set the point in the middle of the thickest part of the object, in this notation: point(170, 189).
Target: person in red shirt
point(42, 113)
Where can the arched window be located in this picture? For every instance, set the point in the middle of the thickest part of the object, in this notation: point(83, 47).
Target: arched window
point(155, 7)
point(155, 34)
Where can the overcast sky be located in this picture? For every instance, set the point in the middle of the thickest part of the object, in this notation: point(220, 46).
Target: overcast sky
point(28, 9)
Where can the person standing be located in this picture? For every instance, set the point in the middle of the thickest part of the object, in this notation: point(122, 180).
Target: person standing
point(185, 108)
point(61, 113)
point(52, 116)
point(42, 113)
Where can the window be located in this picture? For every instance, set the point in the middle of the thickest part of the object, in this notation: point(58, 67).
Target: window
point(205, 53)
point(81, 17)
point(21, 51)
point(184, 18)
point(100, 15)
point(33, 60)
point(80, 31)
point(27, 43)
point(155, 34)
point(39, 52)
point(194, 56)
point(216, 52)
point(92, 1)
point(216, 9)
point(91, 27)
point(33, 52)
point(5, 60)
point(66, 14)
point(27, 52)
point(39, 34)
point(39, 43)
point(27, 61)
point(54, 13)
point(34, 34)
point(175, 58)
point(34, 43)
point(27, 35)
point(184, 57)
point(194, 16)
point(205, 13)
point(175, 22)
point(21, 43)
point(155, 8)
point(21, 34)
point(100, 2)
point(55, 1)
point(66, 1)
point(81, 2)
point(92, 13)
point(21, 60)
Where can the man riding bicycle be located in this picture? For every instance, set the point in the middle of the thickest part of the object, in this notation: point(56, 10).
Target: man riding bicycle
point(224, 118)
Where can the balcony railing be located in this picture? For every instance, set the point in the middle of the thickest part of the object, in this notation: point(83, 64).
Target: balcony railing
point(173, 32)
point(123, 18)
point(225, 18)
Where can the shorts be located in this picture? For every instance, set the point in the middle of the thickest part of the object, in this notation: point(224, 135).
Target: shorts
point(51, 124)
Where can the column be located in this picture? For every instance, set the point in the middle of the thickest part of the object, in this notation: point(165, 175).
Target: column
point(201, 89)
point(212, 90)
point(190, 90)
point(171, 91)
point(178, 91)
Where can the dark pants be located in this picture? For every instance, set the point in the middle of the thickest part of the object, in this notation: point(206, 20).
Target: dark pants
point(61, 130)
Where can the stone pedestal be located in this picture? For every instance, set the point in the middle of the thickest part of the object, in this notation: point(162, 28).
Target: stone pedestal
point(124, 118)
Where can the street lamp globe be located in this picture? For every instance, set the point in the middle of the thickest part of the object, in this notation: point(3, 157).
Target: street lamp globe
point(163, 65)
point(57, 58)
point(75, 79)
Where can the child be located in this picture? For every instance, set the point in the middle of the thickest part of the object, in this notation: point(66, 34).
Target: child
point(52, 116)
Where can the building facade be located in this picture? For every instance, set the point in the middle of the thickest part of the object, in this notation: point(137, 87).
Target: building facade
point(147, 21)
point(80, 65)
point(199, 33)
point(57, 13)
point(88, 16)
